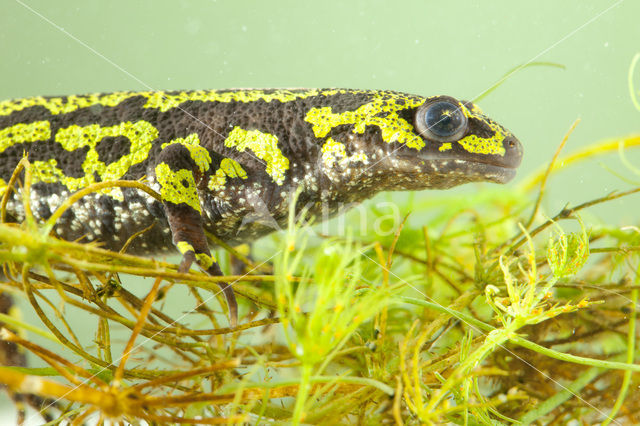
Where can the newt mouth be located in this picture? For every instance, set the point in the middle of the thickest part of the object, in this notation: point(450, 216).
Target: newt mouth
point(490, 172)
point(475, 171)
point(452, 171)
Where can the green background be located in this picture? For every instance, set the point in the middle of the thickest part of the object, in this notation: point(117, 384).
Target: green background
point(460, 48)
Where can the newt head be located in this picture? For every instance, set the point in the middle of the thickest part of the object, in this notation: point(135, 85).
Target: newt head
point(461, 141)
point(384, 140)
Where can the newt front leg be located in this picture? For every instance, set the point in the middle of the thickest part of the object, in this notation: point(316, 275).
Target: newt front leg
point(180, 167)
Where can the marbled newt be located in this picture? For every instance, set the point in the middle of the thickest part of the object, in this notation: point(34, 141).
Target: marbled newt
point(227, 161)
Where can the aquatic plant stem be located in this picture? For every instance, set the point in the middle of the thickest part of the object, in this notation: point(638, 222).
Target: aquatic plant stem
point(631, 339)
point(494, 340)
point(613, 365)
point(303, 393)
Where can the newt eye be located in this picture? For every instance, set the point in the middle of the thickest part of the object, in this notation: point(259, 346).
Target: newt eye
point(441, 120)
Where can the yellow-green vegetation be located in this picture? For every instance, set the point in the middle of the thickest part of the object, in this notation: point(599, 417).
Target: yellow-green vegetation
point(476, 309)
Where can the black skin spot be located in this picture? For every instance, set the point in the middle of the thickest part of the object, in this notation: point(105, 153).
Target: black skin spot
point(26, 116)
point(344, 102)
point(407, 114)
point(106, 215)
point(68, 215)
point(111, 148)
point(156, 210)
point(44, 211)
point(480, 128)
point(341, 130)
point(71, 163)
point(177, 157)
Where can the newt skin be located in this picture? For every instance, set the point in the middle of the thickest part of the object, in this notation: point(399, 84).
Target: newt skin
point(227, 161)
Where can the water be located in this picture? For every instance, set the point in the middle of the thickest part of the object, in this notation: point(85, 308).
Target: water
point(459, 48)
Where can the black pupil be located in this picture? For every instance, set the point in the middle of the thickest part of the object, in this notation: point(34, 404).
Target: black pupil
point(444, 119)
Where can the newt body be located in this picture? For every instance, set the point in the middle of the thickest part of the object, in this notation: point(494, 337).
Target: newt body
point(227, 161)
